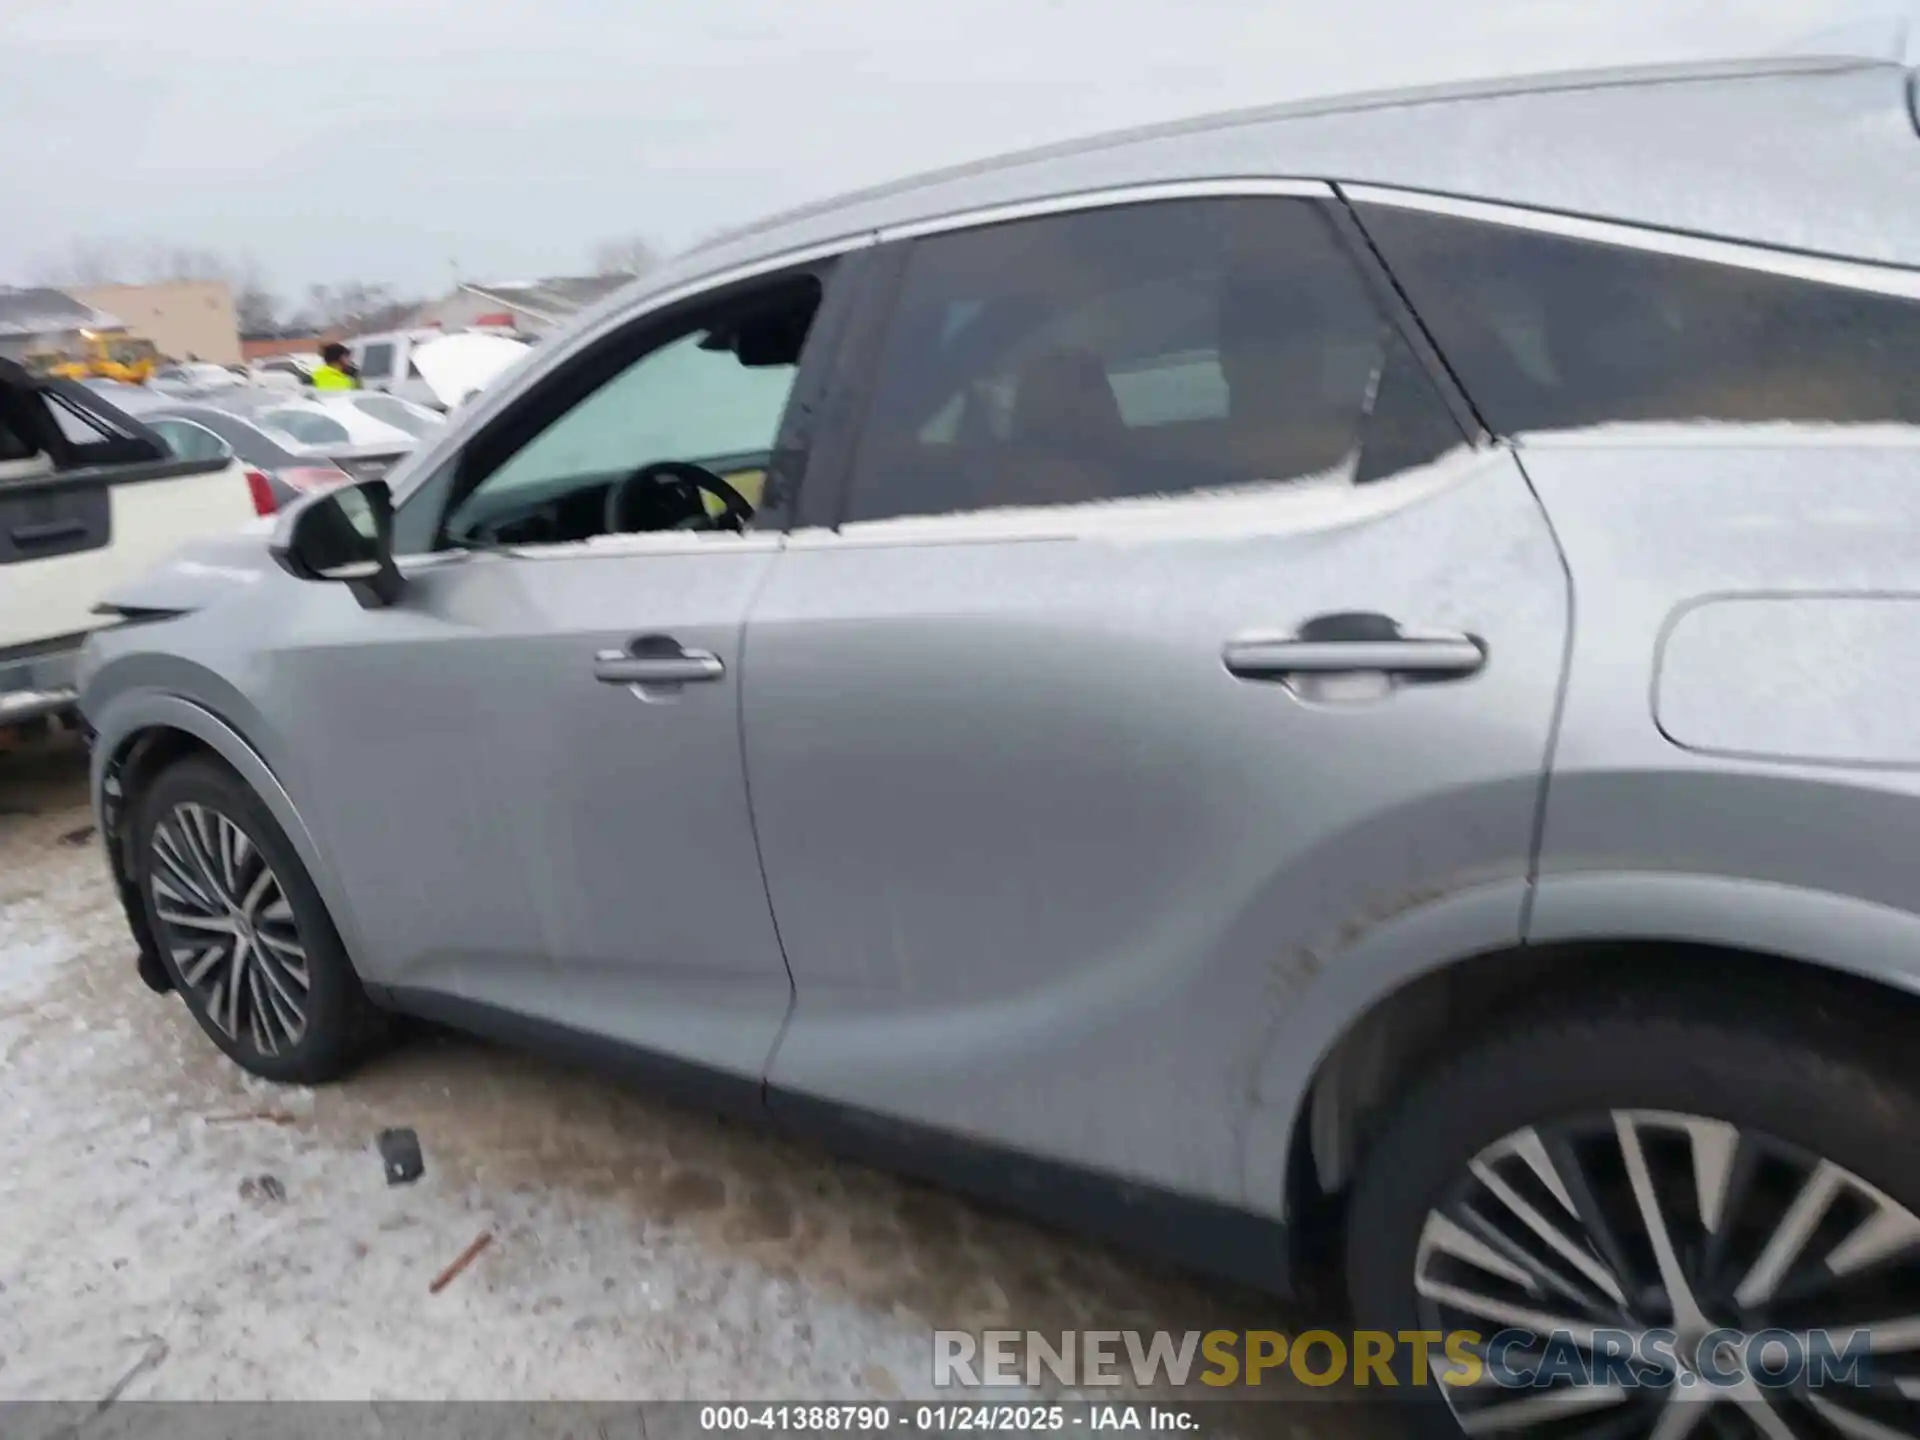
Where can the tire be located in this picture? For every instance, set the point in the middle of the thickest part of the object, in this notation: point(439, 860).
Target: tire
point(1721, 1111)
point(205, 895)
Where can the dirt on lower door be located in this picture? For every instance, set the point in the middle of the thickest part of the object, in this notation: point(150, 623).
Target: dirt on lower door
point(176, 1229)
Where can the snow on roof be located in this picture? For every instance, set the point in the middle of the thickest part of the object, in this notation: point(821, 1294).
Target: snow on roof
point(39, 311)
point(552, 298)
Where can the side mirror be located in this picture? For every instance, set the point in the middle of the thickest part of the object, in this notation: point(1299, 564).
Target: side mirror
point(343, 535)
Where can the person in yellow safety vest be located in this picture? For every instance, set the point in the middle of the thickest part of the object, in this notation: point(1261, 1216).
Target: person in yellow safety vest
point(336, 370)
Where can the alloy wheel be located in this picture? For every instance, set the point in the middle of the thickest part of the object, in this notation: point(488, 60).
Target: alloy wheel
point(1650, 1273)
point(225, 920)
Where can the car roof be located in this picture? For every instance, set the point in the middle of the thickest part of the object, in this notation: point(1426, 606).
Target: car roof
point(1813, 152)
point(197, 411)
point(365, 436)
point(219, 419)
point(361, 425)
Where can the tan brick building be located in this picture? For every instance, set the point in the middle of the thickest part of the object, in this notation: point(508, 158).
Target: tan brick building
point(184, 318)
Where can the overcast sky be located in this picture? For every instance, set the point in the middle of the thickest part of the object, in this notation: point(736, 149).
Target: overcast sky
point(394, 140)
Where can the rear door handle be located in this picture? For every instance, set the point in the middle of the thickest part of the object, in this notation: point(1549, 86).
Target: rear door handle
point(1356, 644)
point(656, 660)
point(1434, 657)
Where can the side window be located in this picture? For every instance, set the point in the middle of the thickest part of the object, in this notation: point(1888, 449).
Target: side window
point(190, 441)
point(12, 447)
point(710, 395)
point(376, 361)
point(72, 428)
point(79, 430)
point(1548, 333)
point(1154, 349)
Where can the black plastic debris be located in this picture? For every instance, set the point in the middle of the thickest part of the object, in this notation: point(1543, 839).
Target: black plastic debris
point(400, 1153)
point(263, 1189)
point(78, 837)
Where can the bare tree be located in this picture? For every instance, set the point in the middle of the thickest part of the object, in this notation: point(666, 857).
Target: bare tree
point(633, 255)
point(354, 307)
point(120, 262)
point(185, 262)
point(256, 308)
point(89, 262)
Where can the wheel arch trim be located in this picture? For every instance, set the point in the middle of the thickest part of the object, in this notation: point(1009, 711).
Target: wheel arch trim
point(133, 713)
point(1818, 929)
point(1388, 955)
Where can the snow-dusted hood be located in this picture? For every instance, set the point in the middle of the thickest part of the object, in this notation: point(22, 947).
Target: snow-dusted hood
point(198, 573)
point(454, 366)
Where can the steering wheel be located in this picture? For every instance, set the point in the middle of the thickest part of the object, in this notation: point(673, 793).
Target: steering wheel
point(665, 495)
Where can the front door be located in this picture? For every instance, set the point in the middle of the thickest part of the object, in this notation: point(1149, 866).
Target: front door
point(529, 769)
point(1175, 635)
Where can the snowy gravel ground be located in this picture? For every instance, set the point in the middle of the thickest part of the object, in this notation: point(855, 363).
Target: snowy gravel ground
point(640, 1251)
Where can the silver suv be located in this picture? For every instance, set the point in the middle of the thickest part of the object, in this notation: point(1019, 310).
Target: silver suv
point(1326, 688)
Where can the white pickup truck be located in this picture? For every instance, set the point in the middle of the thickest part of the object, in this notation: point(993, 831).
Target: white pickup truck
point(89, 498)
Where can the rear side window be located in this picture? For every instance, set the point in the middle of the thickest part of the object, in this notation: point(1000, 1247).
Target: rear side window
point(188, 440)
point(82, 431)
point(377, 361)
point(1549, 333)
point(1152, 349)
point(78, 428)
point(12, 446)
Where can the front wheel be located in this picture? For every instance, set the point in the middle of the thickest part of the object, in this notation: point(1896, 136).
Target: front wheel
point(243, 933)
point(1653, 1219)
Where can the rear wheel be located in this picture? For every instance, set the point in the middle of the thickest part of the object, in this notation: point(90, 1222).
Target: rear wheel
point(1654, 1217)
point(243, 933)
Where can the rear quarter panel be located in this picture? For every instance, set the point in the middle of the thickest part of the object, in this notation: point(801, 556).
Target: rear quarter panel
point(1737, 760)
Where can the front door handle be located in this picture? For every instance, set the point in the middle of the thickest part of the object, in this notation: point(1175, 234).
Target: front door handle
point(1357, 644)
point(656, 660)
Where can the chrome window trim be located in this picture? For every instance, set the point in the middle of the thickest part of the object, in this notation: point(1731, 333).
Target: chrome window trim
point(426, 461)
point(657, 544)
point(1067, 203)
point(1869, 276)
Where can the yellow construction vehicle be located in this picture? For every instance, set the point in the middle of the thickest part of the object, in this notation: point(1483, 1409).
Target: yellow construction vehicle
point(116, 356)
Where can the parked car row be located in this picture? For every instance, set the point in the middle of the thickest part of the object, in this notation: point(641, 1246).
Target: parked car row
point(90, 497)
point(100, 479)
point(291, 443)
point(434, 368)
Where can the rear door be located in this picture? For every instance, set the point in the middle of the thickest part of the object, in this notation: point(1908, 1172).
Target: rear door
point(1175, 632)
point(89, 497)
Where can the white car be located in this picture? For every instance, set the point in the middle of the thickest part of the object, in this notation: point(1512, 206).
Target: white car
point(89, 499)
point(198, 377)
point(337, 419)
point(390, 410)
point(284, 372)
